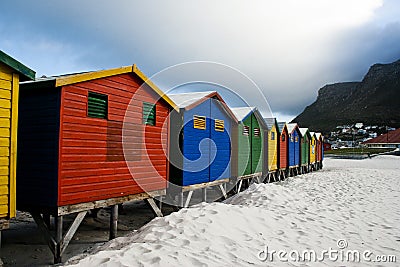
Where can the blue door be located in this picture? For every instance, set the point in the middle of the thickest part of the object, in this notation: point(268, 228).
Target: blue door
point(220, 165)
point(196, 144)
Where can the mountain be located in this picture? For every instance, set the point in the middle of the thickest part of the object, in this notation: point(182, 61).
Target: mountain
point(374, 101)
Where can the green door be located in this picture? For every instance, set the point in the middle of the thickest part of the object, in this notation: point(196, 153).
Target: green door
point(244, 164)
point(256, 145)
point(250, 148)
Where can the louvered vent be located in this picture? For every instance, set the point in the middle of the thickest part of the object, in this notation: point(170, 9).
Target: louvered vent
point(199, 122)
point(246, 130)
point(257, 132)
point(97, 105)
point(219, 125)
point(149, 113)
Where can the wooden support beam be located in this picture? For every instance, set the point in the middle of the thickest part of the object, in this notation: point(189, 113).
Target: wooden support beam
point(113, 222)
point(46, 218)
point(59, 243)
point(154, 207)
point(223, 191)
point(51, 242)
point(72, 230)
point(240, 186)
point(189, 197)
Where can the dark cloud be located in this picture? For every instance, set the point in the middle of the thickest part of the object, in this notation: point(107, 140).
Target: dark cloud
point(289, 51)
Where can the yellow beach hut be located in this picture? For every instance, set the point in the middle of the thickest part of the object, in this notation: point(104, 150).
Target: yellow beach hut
point(272, 148)
point(313, 150)
point(11, 73)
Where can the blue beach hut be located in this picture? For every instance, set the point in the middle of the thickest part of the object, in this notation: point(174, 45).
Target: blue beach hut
point(294, 147)
point(200, 138)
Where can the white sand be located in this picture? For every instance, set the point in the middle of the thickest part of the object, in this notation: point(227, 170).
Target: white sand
point(358, 201)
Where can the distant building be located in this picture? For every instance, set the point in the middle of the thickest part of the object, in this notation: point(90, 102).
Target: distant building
point(327, 147)
point(361, 131)
point(373, 135)
point(359, 125)
point(389, 140)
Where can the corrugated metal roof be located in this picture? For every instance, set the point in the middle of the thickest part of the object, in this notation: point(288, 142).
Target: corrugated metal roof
point(392, 137)
point(281, 125)
point(303, 131)
point(186, 99)
point(270, 122)
point(242, 112)
point(291, 127)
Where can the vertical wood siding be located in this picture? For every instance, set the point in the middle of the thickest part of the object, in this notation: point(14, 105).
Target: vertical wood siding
point(256, 146)
point(273, 149)
point(305, 150)
point(206, 153)
point(220, 167)
point(92, 163)
point(294, 149)
point(312, 149)
point(38, 139)
point(283, 150)
point(8, 113)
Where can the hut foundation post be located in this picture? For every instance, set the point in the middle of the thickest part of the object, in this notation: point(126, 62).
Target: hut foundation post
point(59, 238)
point(180, 199)
point(113, 222)
point(204, 194)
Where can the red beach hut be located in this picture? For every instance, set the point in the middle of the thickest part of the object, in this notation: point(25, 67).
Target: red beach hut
point(283, 150)
point(90, 140)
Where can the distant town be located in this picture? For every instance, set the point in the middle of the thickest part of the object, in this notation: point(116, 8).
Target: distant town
point(359, 135)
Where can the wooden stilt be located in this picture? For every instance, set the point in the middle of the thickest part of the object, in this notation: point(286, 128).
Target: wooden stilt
point(113, 222)
point(180, 199)
point(204, 194)
point(58, 239)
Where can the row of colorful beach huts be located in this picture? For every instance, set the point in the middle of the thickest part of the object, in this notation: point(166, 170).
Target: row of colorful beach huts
point(99, 139)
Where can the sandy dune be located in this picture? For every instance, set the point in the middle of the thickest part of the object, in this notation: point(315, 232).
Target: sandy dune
point(355, 203)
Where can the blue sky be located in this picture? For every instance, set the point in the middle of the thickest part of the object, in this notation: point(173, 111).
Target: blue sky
point(288, 48)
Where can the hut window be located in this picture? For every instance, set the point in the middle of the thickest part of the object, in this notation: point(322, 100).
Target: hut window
point(272, 135)
point(246, 130)
point(296, 139)
point(149, 113)
point(199, 122)
point(257, 132)
point(291, 138)
point(283, 137)
point(219, 125)
point(97, 105)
